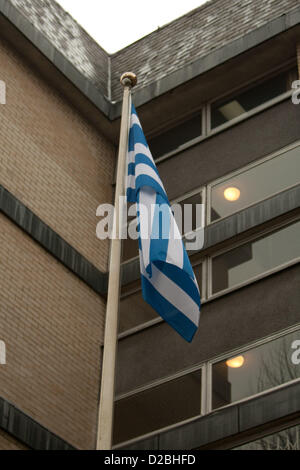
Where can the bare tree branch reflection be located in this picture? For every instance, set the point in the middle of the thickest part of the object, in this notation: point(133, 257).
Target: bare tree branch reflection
point(276, 368)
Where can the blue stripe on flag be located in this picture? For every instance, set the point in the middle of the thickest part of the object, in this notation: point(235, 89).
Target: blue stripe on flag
point(185, 327)
point(141, 158)
point(131, 169)
point(131, 195)
point(146, 180)
point(137, 137)
point(180, 277)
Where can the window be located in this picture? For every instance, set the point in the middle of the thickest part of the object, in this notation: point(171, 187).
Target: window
point(255, 184)
point(289, 439)
point(158, 407)
point(229, 109)
point(175, 137)
point(134, 311)
point(255, 371)
point(242, 375)
point(255, 258)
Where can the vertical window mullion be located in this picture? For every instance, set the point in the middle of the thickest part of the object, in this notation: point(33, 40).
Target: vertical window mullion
point(203, 409)
point(206, 389)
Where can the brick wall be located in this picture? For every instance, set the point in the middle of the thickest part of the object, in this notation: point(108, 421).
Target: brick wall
point(51, 159)
point(9, 443)
point(52, 324)
point(193, 36)
point(60, 166)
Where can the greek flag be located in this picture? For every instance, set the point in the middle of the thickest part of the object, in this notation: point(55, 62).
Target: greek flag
point(168, 281)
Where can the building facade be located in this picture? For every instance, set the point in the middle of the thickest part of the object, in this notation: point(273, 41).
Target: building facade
point(217, 98)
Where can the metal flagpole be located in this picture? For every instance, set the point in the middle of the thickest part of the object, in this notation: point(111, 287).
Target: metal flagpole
point(106, 409)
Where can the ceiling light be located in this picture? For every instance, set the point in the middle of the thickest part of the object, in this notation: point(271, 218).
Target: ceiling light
point(236, 362)
point(232, 194)
point(232, 110)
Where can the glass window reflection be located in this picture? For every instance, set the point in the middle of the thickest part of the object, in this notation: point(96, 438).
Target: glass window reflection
point(224, 111)
point(255, 258)
point(176, 136)
point(158, 407)
point(254, 371)
point(255, 184)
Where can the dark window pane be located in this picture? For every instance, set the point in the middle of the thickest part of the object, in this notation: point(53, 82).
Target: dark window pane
point(225, 111)
point(255, 184)
point(255, 258)
point(134, 311)
point(158, 407)
point(130, 249)
point(173, 138)
point(198, 273)
point(255, 371)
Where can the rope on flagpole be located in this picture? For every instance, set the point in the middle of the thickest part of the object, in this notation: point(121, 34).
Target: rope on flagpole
point(106, 407)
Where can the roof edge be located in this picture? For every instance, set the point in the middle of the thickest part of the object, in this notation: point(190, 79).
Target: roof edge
point(111, 109)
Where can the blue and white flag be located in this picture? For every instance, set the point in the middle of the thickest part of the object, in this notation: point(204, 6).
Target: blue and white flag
point(168, 281)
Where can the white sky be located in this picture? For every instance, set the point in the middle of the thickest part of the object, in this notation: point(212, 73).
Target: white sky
point(115, 24)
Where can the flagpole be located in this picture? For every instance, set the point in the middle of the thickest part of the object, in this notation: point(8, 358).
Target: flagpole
point(106, 408)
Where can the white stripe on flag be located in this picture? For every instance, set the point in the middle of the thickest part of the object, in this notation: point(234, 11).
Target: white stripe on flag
point(175, 247)
point(147, 200)
point(173, 293)
point(141, 148)
point(135, 120)
point(130, 181)
point(131, 157)
point(143, 169)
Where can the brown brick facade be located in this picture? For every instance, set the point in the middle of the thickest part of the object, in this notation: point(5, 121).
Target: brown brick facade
point(52, 324)
point(52, 160)
point(60, 167)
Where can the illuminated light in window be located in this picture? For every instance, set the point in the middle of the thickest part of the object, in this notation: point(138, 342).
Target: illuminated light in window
point(232, 194)
point(236, 362)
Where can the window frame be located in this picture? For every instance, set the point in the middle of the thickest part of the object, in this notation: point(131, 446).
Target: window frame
point(242, 170)
point(157, 383)
point(206, 383)
point(273, 229)
point(207, 132)
point(243, 349)
point(247, 86)
point(199, 109)
point(206, 261)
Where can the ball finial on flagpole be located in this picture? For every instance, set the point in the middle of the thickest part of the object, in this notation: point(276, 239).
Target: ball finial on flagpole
point(128, 79)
